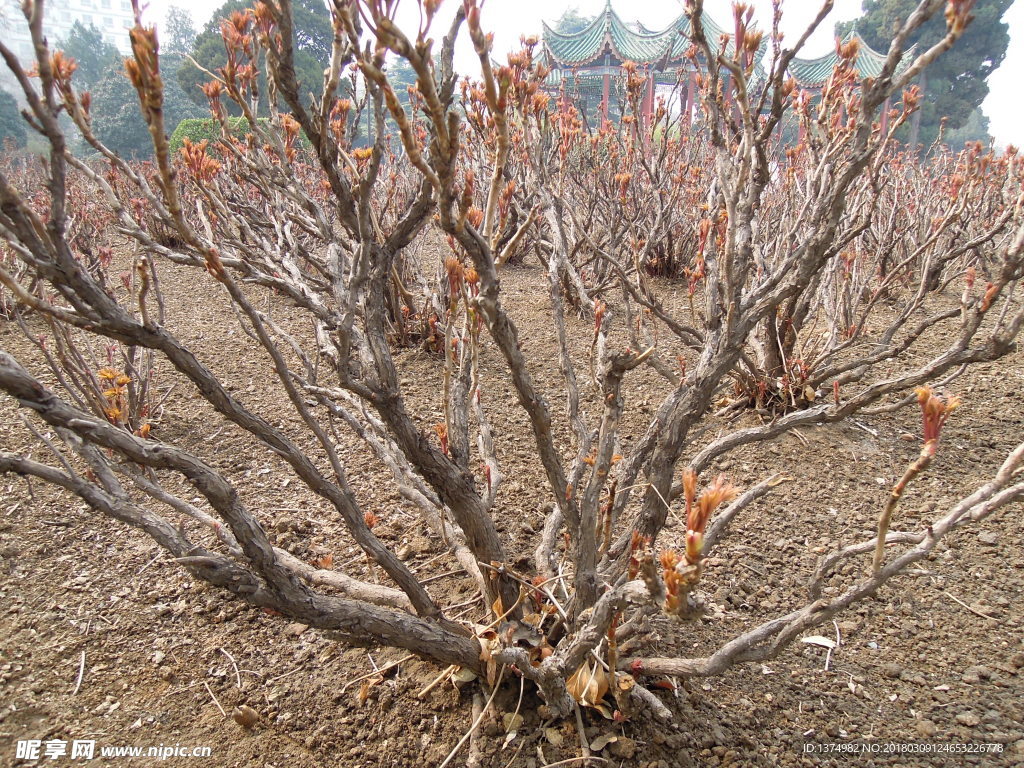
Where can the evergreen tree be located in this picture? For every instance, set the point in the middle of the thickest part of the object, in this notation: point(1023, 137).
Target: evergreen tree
point(312, 45)
point(115, 114)
point(572, 21)
point(115, 104)
point(12, 125)
point(955, 84)
point(92, 52)
point(178, 34)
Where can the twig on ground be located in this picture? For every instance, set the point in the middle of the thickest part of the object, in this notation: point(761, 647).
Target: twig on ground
point(574, 760)
point(238, 675)
point(209, 690)
point(476, 721)
point(375, 672)
point(474, 760)
point(81, 674)
point(445, 674)
point(583, 732)
point(653, 702)
point(975, 611)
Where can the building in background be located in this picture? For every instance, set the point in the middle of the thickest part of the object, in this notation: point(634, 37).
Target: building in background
point(112, 17)
point(587, 66)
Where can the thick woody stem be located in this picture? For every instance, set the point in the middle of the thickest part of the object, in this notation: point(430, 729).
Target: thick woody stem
point(915, 469)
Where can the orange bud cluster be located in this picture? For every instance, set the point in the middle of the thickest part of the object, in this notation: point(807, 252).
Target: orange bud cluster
point(63, 67)
point(849, 50)
point(958, 15)
point(676, 583)
point(455, 272)
point(991, 291)
point(935, 411)
point(144, 70)
point(911, 99)
point(622, 181)
point(442, 434)
point(200, 166)
point(600, 308)
point(291, 134)
point(698, 510)
point(113, 385)
point(638, 546)
point(339, 118)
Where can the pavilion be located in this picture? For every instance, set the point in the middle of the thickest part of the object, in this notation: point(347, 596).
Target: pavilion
point(587, 66)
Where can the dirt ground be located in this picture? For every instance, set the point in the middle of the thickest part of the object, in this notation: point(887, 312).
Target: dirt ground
point(102, 638)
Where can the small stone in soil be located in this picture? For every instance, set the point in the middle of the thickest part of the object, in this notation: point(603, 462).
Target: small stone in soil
point(245, 716)
point(624, 748)
point(974, 675)
point(968, 718)
point(988, 537)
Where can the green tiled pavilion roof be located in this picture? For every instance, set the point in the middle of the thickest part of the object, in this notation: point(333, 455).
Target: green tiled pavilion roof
point(814, 72)
point(609, 34)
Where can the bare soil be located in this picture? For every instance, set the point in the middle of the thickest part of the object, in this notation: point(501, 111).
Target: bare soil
point(936, 660)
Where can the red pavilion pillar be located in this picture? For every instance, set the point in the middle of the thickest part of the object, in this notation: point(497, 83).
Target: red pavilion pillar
point(684, 106)
point(647, 106)
point(691, 96)
point(606, 84)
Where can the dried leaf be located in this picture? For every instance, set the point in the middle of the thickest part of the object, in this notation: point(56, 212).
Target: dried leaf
point(588, 685)
point(809, 393)
point(464, 675)
point(824, 642)
point(512, 721)
point(364, 692)
point(326, 562)
point(603, 741)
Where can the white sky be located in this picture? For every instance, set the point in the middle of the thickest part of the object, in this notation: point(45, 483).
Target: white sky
point(509, 19)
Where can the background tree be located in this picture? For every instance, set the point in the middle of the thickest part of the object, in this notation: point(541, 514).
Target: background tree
point(115, 113)
point(956, 84)
point(312, 40)
point(94, 54)
point(573, 21)
point(12, 126)
point(178, 36)
point(975, 129)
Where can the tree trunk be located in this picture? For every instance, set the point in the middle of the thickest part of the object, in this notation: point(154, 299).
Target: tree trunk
point(915, 121)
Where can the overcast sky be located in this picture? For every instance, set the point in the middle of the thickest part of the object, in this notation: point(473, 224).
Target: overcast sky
point(509, 19)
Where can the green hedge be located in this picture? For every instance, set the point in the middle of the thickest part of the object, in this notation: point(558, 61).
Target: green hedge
point(197, 129)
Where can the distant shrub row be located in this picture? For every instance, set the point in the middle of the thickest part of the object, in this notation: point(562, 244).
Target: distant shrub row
point(196, 129)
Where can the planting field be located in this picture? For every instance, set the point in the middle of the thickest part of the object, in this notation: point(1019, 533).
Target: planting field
point(106, 639)
point(621, 397)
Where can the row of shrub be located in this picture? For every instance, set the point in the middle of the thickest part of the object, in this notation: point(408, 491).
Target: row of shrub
point(198, 128)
